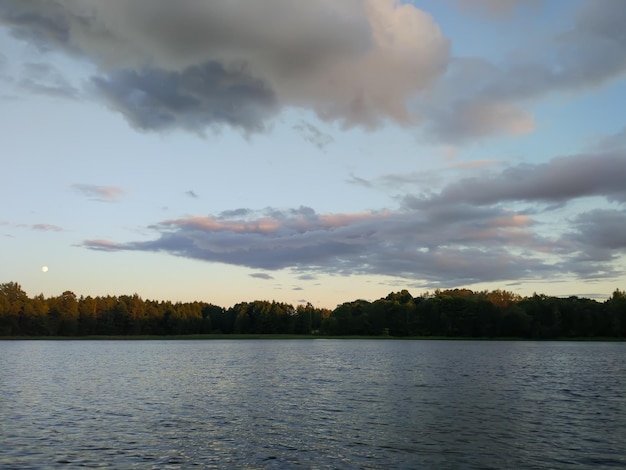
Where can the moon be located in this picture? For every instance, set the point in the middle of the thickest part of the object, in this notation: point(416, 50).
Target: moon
point(44, 269)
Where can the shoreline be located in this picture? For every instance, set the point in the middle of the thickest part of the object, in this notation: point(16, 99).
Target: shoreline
point(209, 337)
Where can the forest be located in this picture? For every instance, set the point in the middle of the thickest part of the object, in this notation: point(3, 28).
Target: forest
point(458, 313)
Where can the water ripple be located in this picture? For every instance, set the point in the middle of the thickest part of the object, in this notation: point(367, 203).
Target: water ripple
point(312, 404)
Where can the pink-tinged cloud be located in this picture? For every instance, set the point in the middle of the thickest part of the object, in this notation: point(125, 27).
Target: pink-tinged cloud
point(208, 223)
point(100, 193)
point(103, 245)
point(512, 221)
point(296, 220)
point(460, 246)
point(463, 234)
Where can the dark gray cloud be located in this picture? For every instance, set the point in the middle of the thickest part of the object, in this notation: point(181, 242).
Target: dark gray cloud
point(192, 194)
point(44, 23)
point(100, 193)
point(264, 276)
point(234, 213)
point(601, 229)
point(557, 181)
point(209, 94)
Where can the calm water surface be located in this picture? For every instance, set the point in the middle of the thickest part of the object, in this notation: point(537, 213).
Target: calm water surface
point(345, 404)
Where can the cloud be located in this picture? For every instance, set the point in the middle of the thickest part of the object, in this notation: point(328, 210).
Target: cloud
point(496, 7)
point(477, 163)
point(154, 99)
point(471, 119)
point(588, 55)
point(47, 228)
point(477, 98)
point(424, 178)
point(203, 65)
point(37, 227)
point(476, 230)
point(100, 193)
point(193, 65)
point(405, 244)
point(601, 229)
point(614, 142)
point(44, 79)
point(358, 181)
point(399, 244)
point(312, 134)
point(230, 214)
point(192, 194)
point(261, 276)
point(557, 181)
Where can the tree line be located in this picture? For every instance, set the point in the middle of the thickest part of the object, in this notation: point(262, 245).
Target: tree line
point(69, 315)
point(444, 313)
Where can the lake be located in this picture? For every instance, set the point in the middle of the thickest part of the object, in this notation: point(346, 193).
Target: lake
point(312, 404)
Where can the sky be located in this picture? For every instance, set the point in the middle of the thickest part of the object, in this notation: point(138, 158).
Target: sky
point(321, 151)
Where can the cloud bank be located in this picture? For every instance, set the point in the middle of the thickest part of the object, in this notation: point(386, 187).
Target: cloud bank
point(464, 234)
point(194, 64)
point(199, 64)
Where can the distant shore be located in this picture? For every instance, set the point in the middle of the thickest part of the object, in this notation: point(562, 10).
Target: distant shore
point(289, 337)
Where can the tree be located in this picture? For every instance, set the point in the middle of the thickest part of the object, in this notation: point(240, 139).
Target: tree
point(616, 309)
point(303, 324)
point(64, 314)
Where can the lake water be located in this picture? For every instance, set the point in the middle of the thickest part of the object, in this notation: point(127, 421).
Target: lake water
point(318, 404)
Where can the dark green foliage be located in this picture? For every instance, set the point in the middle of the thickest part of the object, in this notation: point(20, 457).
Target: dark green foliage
point(447, 313)
point(467, 314)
